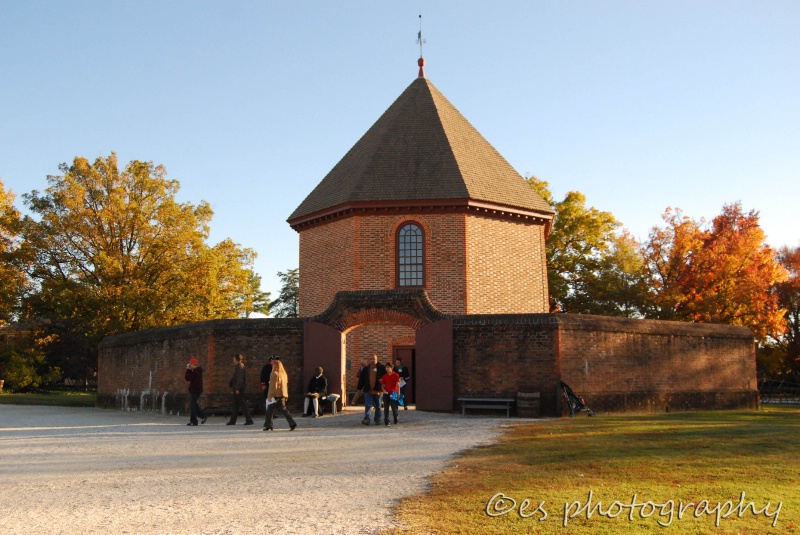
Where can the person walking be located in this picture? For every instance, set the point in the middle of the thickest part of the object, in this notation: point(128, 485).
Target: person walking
point(238, 383)
point(357, 395)
point(278, 396)
point(266, 372)
point(405, 377)
point(369, 382)
point(390, 383)
point(194, 374)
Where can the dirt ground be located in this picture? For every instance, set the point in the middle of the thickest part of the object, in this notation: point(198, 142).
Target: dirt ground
point(77, 471)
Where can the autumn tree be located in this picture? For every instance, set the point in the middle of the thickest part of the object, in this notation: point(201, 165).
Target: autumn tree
point(717, 273)
point(111, 251)
point(226, 290)
point(587, 263)
point(12, 277)
point(787, 343)
point(669, 252)
point(287, 303)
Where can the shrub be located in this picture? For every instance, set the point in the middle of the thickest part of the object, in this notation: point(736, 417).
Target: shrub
point(26, 370)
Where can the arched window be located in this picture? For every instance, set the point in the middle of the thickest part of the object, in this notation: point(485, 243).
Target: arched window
point(410, 258)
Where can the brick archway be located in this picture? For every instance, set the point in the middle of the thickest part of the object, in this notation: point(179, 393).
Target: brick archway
point(409, 307)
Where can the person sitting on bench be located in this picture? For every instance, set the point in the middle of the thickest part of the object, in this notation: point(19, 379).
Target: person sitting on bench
point(317, 390)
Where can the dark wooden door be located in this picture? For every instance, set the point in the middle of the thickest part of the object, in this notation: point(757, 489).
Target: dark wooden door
point(434, 367)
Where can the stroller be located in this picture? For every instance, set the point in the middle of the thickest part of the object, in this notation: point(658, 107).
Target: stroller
point(574, 401)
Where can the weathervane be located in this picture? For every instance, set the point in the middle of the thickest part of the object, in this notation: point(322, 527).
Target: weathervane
point(421, 41)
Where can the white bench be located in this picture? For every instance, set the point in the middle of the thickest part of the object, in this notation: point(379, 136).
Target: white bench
point(487, 403)
point(330, 400)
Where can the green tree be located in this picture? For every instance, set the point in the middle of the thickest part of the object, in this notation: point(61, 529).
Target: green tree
point(619, 285)
point(580, 240)
point(254, 300)
point(286, 305)
point(13, 280)
point(113, 251)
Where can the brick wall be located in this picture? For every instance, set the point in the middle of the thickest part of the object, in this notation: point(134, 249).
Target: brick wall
point(648, 365)
point(499, 356)
point(473, 263)
point(358, 253)
point(154, 361)
point(617, 364)
point(507, 271)
point(327, 264)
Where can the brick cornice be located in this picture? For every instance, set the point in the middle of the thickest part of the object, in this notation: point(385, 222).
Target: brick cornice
point(422, 207)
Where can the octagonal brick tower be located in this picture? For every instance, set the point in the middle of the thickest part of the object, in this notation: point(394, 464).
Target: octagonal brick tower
point(423, 200)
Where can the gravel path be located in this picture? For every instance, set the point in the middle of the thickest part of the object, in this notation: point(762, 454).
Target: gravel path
point(71, 471)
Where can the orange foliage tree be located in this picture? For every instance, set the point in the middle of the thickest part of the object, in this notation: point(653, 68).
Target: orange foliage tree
point(788, 294)
point(717, 273)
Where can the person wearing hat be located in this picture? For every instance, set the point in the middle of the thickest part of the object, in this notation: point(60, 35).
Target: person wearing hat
point(194, 374)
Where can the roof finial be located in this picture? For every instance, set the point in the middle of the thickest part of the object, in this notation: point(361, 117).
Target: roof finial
point(421, 41)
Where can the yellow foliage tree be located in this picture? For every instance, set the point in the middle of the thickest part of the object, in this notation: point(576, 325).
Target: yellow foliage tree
point(12, 277)
point(113, 251)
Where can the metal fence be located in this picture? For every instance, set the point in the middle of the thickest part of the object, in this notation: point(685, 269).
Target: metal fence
point(779, 391)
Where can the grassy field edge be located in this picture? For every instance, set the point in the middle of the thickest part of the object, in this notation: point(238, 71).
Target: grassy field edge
point(724, 472)
point(60, 399)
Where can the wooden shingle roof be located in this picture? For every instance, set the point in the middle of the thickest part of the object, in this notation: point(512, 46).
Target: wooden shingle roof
point(421, 150)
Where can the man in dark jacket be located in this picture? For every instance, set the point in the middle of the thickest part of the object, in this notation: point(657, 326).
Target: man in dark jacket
point(317, 390)
point(369, 382)
point(194, 374)
point(238, 383)
point(266, 371)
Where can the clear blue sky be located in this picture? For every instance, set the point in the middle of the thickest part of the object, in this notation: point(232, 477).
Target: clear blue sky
point(249, 104)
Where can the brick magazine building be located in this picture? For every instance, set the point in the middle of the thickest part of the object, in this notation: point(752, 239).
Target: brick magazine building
point(423, 243)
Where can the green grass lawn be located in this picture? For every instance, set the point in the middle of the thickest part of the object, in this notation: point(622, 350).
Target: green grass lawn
point(655, 473)
point(61, 399)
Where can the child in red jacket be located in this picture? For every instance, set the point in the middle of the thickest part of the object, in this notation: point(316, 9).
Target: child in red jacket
point(391, 393)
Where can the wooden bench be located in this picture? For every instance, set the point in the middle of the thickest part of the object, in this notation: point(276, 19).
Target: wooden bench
point(486, 403)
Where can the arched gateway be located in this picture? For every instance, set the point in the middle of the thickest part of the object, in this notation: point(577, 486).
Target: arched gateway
point(324, 339)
